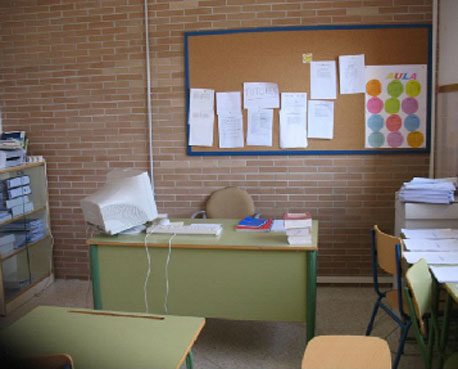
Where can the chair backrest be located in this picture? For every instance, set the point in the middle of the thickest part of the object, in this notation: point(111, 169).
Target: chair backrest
point(386, 250)
point(420, 284)
point(52, 361)
point(230, 202)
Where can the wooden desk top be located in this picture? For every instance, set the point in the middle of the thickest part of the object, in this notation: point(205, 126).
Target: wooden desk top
point(229, 239)
point(452, 289)
point(101, 339)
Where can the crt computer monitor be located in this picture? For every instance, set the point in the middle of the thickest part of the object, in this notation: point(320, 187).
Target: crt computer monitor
point(124, 202)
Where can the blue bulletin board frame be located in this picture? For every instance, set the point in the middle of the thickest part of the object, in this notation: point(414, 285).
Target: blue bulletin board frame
point(193, 151)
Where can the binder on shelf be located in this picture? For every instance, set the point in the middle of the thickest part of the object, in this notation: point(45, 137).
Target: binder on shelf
point(7, 242)
point(4, 217)
point(17, 181)
point(22, 209)
point(16, 201)
point(19, 191)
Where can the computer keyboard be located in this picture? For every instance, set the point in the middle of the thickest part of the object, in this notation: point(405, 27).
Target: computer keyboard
point(202, 229)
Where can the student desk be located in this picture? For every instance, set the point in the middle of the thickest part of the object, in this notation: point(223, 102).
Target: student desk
point(238, 275)
point(452, 297)
point(96, 339)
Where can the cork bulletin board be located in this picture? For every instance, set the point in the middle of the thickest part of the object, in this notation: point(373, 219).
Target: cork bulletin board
point(224, 60)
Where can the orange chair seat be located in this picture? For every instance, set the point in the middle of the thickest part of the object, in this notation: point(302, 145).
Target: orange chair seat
point(347, 352)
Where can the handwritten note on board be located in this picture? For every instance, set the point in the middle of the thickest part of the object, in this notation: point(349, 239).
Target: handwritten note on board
point(260, 95)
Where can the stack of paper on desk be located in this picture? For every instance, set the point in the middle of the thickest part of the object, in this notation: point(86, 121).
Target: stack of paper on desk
point(436, 233)
point(298, 227)
point(427, 190)
point(445, 274)
point(431, 244)
point(431, 257)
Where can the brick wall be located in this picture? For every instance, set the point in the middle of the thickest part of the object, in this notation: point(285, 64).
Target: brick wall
point(72, 74)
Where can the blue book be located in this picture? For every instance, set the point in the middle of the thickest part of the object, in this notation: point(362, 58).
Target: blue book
point(250, 222)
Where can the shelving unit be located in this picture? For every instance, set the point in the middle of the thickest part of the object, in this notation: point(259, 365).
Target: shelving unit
point(27, 267)
point(415, 215)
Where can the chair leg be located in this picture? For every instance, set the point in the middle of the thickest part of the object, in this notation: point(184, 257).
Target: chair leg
point(189, 361)
point(402, 341)
point(374, 313)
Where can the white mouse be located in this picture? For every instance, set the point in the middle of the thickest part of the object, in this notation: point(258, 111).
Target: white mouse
point(164, 221)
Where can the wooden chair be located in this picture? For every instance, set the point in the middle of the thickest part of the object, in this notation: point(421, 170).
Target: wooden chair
point(419, 297)
point(230, 203)
point(347, 352)
point(386, 255)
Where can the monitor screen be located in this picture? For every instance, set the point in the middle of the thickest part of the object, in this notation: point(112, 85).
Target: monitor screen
point(124, 202)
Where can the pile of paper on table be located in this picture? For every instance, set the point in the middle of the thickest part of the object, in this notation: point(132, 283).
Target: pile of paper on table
point(435, 191)
point(298, 227)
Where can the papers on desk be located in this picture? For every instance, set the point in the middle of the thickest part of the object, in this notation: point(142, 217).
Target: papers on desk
point(437, 233)
point(439, 248)
point(443, 245)
point(432, 257)
point(436, 191)
point(445, 274)
point(278, 225)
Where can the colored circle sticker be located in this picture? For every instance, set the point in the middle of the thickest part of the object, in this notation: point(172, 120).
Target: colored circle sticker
point(376, 139)
point(375, 122)
point(374, 105)
point(394, 139)
point(373, 87)
point(409, 105)
point(415, 139)
point(395, 88)
point(413, 88)
point(392, 105)
point(394, 122)
point(412, 122)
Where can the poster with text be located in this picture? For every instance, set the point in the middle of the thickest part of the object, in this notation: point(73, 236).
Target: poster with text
point(396, 106)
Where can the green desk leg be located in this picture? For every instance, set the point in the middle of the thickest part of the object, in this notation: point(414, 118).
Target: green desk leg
point(311, 294)
point(444, 330)
point(95, 277)
point(189, 363)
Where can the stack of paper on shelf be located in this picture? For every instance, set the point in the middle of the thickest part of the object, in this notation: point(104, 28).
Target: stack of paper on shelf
point(298, 227)
point(4, 216)
point(26, 230)
point(435, 191)
point(7, 242)
point(251, 224)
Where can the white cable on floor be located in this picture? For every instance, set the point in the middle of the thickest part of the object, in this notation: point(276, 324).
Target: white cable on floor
point(167, 274)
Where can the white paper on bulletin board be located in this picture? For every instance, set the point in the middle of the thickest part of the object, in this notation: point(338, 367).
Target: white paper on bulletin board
point(396, 106)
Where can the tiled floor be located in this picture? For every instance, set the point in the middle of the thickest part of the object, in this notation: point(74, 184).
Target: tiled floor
point(240, 344)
